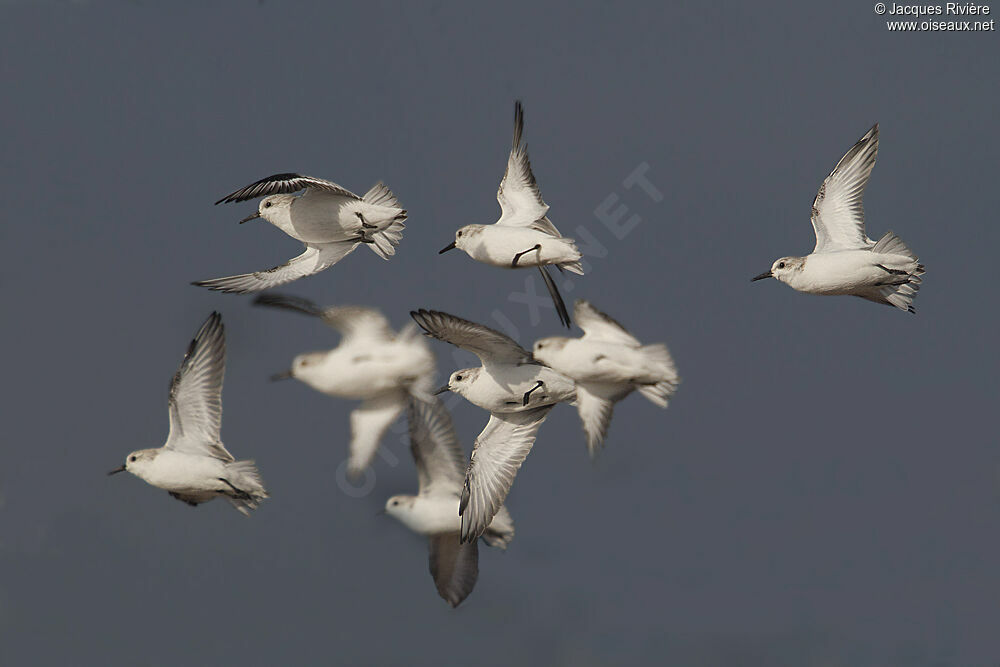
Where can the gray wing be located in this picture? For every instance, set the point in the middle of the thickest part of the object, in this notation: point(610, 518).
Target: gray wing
point(598, 326)
point(492, 347)
point(439, 459)
point(195, 402)
point(521, 202)
point(838, 214)
point(454, 566)
point(316, 258)
point(497, 455)
point(350, 321)
point(285, 184)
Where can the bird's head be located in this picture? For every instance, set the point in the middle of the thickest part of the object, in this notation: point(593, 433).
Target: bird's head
point(399, 507)
point(270, 208)
point(546, 348)
point(460, 381)
point(783, 269)
point(463, 236)
point(137, 462)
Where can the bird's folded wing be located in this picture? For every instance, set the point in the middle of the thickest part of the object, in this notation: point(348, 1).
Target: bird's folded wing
point(521, 202)
point(454, 566)
point(491, 346)
point(369, 422)
point(316, 258)
point(497, 455)
point(595, 403)
point(598, 326)
point(838, 214)
point(195, 402)
point(285, 184)
point(439, 459)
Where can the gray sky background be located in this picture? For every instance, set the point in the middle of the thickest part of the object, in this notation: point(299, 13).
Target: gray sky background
point(824, 490)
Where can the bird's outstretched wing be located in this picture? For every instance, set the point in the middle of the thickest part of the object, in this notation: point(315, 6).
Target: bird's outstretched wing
point(195, 402)
point(599, 326)
point(353, 322)
point(316, 258)
point(492, 347)
point(497, 455)
point(595, 403)
point(278, 184)
point(454, 566)
point(838, 213)
point(369, 422)
point(439, 459)
point(521, 202)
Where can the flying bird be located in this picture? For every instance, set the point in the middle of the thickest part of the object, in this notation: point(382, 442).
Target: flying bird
point(607, 363)
point(193, 465)
point(845, 260)
point(433, 511)
point(329, 219)
point(523, 236)
point(518, 393)
point(372, 363)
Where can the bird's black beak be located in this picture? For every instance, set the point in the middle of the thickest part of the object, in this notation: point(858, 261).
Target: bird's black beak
point(116, 470)
point(281, 376)
point(450, 246)
point(255, 215)
point(441, 390)
point(766, 274)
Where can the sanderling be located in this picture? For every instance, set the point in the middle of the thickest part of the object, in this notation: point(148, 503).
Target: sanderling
point(845, 260)
point(523, 236)
point(330, 220)
point(508, 380)
point(193, 465)
point(607, 363)
point(372, 364)
point(433, 511)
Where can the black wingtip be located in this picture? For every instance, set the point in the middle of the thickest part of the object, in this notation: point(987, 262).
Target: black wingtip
point(557, 299)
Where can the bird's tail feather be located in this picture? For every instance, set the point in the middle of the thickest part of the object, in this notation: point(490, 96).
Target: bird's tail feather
point(248, 487)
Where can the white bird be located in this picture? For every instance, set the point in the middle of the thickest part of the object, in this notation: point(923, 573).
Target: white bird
point(434, 510)
point(508, 380)
point(193, 465)
point(845, 260)
point(607, 363)
point(523, 236)
point(518, 393)
point(330, 220)
point(372, 364)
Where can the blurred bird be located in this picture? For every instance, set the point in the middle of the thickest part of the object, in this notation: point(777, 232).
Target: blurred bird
point(433, 511)
point(329, 219)
point(845, 260)
point(373, 364)
point(607, 363)
point(523, 236)
point(193, 465)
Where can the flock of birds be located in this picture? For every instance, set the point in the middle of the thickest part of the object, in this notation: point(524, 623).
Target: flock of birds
point(459, 501)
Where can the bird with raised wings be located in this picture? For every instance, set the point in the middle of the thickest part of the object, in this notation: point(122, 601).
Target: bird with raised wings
point(845, 260)
point(523, 236)
point(194, 466)
point(433, 512)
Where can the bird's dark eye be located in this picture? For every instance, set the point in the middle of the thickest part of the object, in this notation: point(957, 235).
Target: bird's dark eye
point(132, 459)
point(460, 233)
point(267, 204)
point(395, 502)
point(781, 265)
point(458, 378)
